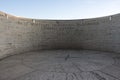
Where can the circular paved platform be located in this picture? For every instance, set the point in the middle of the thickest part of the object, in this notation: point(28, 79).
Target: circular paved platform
point(61, 65)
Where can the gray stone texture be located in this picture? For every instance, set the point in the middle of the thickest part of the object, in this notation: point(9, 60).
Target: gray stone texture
point(53, 65)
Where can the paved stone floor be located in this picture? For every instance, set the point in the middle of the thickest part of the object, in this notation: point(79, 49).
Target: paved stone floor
point(61, 65)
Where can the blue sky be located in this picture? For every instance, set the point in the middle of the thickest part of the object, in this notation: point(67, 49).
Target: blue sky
point(60, 9)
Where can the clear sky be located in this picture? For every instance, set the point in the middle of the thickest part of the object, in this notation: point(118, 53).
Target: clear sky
point(60, 9)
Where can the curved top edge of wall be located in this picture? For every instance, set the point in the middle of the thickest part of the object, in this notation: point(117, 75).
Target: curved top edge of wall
point(24, 18)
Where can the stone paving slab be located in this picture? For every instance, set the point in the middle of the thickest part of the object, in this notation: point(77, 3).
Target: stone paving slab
point(104, 76)
point(14, 72)
point(112, 71)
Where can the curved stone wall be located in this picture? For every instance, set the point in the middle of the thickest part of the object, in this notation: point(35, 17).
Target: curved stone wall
point(18, 35)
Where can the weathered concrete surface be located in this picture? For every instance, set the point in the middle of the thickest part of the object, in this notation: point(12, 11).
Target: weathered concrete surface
point(18, 35)
point(61, 65)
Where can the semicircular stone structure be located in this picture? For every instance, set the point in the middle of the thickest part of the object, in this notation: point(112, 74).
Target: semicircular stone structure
point(18, 35)
point(86, 49)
